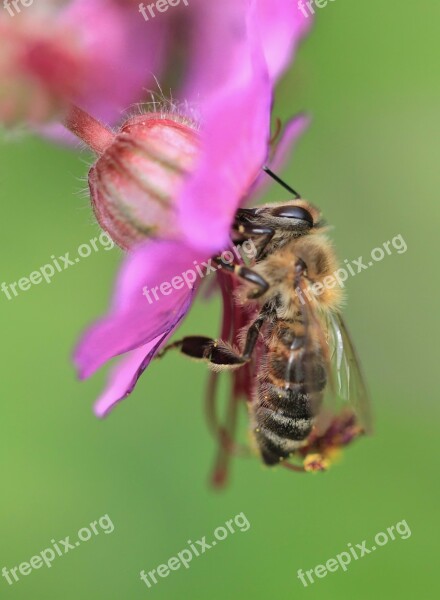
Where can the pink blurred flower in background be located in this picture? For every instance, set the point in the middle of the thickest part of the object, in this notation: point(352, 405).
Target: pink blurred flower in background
point(95, 53)
point(103, 56)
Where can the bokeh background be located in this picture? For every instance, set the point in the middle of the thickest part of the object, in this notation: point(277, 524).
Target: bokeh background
point(368, 75)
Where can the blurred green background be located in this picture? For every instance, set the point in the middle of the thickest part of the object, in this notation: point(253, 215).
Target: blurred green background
point(368, 75)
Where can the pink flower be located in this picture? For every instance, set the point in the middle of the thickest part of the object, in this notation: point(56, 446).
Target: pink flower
point(95, 53)
point(229, 152)
point(103, 56)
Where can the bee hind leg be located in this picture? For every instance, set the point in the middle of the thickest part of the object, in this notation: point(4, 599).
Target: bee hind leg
point(217, 353)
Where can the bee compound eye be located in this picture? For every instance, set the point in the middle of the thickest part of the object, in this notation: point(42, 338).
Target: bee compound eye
point(293, 212)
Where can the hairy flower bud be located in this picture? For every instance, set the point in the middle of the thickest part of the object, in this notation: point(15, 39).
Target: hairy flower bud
point(135, 182)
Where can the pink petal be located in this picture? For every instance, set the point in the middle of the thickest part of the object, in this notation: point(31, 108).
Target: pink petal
point(216, 45)
point(133, 321)
point(125, 374)
point(235, 134)
point(219, 38)
point(124, 54)
point(292, 131)
point(282, 25)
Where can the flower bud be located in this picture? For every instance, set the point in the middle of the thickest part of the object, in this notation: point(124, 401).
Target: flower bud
point(136, 180)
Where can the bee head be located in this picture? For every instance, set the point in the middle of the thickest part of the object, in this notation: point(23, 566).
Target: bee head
point(296, 215)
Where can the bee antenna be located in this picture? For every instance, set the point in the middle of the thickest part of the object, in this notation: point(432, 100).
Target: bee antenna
point(281, 182)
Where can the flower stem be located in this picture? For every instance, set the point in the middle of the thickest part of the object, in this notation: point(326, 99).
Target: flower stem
point(89, 130)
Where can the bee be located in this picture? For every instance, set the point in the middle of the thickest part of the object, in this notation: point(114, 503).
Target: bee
point(285, 341)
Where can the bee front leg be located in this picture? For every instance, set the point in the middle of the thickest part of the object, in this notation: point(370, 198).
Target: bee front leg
point(247, 275)
point(247, 230)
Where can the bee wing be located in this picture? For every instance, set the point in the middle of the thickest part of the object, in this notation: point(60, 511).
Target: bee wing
point(347, 376)
point(346, 388)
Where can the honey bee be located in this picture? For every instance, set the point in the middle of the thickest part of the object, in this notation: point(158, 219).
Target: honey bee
point(285, 341)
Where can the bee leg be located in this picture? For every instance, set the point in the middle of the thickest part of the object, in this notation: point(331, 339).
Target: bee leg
point(217, 352)
point(250, 230)
point(253, 333)
point(247, 275)
point(194, 346)
point(213, 351)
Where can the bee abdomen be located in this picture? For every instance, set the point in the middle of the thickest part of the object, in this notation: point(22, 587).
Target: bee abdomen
point(274, 448)
point(294, 401)
point(291, 428)
point(290, 393)
point(284, 418)
point(313, 376)
point(282, 426)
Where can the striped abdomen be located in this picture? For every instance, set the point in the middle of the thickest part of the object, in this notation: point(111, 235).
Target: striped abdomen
point(289, 393)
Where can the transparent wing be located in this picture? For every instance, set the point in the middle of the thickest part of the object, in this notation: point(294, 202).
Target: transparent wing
point(346, 391)
point(340, 398)
point(346, 374)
